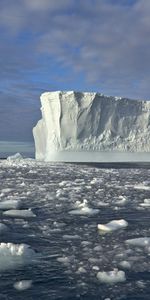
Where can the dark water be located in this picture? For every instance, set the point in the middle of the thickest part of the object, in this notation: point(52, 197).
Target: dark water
point(71, 250)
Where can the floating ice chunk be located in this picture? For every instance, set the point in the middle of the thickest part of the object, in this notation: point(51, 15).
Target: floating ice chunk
point(113, 225)
point(95, 268)
point(146, 203)
point(125, 264)
point(122, 201)
point(22, 285)
point(80, 204)
point(84, 211)
point(71, 237)
point(10, 204)
point(15, 157)
point(6, 191)
point(64, 259)
point(141, 242)
point(81, 270)
point(142, 187)
point(111, 277)
point(103, 204)
point(12, 256)
point(16, 213)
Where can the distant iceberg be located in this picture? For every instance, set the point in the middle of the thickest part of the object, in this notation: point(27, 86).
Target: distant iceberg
point(75, 124)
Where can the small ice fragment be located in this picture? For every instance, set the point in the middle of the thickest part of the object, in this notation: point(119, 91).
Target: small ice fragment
point(95, 268)
point(22, 285)
point(12, 256)
point(103, 204)
point(141, 242)
point(111, 277)
point(79, 204)
point(142, 187)
point(16, 213)
point(81, 270)
point(10, 204)
point(84, 211)
point(71, 237)
point(125, 264)
point(146, 203)
point(64, 259)
point(122, 200)
point(97, 248)
point(113, 225)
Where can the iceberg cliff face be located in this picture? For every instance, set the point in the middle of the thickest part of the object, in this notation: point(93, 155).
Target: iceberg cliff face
point(91, 122)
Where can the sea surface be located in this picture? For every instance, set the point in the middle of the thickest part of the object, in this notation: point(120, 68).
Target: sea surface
point(58, 209)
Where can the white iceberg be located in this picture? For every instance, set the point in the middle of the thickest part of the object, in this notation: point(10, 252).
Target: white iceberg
point(111, 277)
point(74, 124)
point(113, 225)
point(12, 256)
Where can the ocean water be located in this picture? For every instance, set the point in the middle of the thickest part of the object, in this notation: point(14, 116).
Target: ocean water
point(68, 201)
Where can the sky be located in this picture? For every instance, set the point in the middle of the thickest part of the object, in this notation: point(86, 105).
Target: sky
point(83, 45)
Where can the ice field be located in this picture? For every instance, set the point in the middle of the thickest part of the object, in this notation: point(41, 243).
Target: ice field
point(73, 231)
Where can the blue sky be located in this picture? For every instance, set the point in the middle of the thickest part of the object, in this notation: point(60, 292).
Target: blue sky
point(85, 45)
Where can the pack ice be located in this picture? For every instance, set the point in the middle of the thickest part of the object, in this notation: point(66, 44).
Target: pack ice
point(81, 122)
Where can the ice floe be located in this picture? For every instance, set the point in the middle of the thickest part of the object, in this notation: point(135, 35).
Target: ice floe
point(15, 157)
point(111, 277)
point(86, 211)
point(13, 256)
point(113, 225)
point(10, 204)
point(23, 285)
point(146, 203)
point(141, 241)
point(16, 213)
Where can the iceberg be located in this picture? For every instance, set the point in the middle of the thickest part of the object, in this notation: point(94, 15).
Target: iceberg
point(76, 124)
